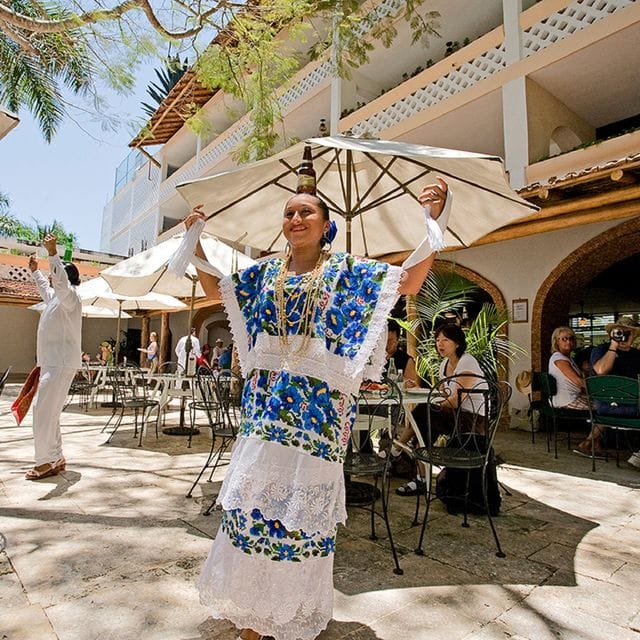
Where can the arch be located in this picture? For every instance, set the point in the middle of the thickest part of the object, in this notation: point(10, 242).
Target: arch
point(477, 279)
point(553, 300)
point(563, 139)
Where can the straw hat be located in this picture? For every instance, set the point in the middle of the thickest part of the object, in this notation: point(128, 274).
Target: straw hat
point(624, 322)
point(523, 382)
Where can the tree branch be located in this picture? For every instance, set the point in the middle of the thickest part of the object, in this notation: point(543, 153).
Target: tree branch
point(39, 25)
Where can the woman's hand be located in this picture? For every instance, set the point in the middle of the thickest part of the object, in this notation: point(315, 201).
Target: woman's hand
point(434, 197)
point(196, 214)
point(33, 264)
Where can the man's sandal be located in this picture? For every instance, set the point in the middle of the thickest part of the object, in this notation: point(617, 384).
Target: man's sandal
point(42, 471)
point(60, 465)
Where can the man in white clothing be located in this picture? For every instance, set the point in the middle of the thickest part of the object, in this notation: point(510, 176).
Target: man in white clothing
point(194, 352)
point(59, 355)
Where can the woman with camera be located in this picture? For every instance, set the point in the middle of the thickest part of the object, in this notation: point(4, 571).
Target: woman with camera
point(618, 358)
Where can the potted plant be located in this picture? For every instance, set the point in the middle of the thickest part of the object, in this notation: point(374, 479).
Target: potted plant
point(444, 295)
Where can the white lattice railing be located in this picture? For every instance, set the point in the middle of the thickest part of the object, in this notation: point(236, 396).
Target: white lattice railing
point(555, 27)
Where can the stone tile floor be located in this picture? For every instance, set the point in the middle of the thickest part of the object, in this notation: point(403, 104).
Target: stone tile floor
point(110, 548)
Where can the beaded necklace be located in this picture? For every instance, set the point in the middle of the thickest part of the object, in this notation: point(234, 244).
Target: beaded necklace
point(306, 295)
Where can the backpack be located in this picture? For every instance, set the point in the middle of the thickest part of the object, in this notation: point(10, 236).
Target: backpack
point(450, 486)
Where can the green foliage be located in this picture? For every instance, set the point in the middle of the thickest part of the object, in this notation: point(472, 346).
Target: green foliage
point(168, 76)
point(444, 292)
point(257, 59)
point(10, 226)
point(35, 66)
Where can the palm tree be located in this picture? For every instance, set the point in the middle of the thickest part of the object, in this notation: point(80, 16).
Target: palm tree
point(444, 293)
point(173, 70)
point(33, 67)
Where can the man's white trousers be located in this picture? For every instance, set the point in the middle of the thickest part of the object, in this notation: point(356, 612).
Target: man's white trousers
point(47, 407)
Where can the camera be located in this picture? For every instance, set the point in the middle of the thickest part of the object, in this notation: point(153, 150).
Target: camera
point(619, 335)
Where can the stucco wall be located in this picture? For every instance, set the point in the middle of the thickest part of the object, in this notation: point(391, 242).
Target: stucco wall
point(518, 268)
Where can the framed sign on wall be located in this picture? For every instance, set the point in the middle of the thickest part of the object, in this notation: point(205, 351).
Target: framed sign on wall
point(520, 310)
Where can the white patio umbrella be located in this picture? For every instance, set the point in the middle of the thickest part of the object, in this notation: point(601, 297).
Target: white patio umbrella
point(89, 311)
point(148, 270)
point(98, 292)
point(372, 186)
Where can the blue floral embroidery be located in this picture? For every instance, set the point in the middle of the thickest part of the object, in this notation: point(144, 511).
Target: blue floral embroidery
point(297, 411)
point(351, 289)
point(257, 534)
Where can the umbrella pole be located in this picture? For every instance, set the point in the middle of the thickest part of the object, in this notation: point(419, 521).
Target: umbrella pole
point(114, 402)
point(117, 350)
point(347, 200)
point(181, 429)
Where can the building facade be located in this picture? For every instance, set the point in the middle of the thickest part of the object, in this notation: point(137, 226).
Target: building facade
point(552, 86)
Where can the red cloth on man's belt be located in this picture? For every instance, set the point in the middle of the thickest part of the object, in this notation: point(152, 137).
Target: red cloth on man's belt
point(21, 404)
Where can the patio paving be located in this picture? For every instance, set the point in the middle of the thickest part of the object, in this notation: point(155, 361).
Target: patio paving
point(111, 548)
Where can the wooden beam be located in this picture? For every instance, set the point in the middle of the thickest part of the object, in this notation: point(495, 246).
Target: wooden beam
point(528, 227)
point(620, 177)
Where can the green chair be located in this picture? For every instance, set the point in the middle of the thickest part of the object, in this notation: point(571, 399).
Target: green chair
point(609, 397)
point(548, 389)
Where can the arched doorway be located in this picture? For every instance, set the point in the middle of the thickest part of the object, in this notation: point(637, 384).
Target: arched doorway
point(571, 276)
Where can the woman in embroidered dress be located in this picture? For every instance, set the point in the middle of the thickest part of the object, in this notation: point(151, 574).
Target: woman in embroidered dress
point(308, 327)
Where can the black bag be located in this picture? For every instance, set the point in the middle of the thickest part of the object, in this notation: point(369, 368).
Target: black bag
point(450, 488)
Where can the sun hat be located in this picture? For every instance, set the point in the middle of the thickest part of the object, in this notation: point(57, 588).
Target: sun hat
point(624, 322)
point(523, 382)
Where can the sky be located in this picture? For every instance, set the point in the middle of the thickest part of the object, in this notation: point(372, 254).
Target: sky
point(72, 178)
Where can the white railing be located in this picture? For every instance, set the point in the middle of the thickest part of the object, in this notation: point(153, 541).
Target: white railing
point(553, 28)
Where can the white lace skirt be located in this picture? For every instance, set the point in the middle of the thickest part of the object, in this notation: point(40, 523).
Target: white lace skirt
point(265, 571)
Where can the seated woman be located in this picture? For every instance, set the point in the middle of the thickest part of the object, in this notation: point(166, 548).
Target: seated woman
point(451, 345)
point(570, 383)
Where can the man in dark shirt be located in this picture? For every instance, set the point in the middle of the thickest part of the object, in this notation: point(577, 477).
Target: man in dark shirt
point(618, 358)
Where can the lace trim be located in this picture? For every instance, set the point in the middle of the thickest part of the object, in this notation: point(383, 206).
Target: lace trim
point(371, 357)
point(236, 322)
point(317, 362)
point(286, 600)
point(301, 491)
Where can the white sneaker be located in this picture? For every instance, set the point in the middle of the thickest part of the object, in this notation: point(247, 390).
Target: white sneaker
point(634, 460)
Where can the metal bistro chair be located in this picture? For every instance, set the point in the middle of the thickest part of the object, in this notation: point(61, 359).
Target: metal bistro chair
point(470, 442)
point(228, 388)
point(378, 411)
point(206, 400)
point(131, 394)
point(548, 389)
point(82, 386)
point(3, 378)
point(615, 403)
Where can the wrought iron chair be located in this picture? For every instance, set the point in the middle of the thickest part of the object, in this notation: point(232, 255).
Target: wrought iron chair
point(548, 389)
point(229, 394)
point(170, 366)
point(131, 393)
point(206, 400)
point(4, 378)
point(615, 403)
point(82, 386)
point(468, 445)
point(378, 411)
